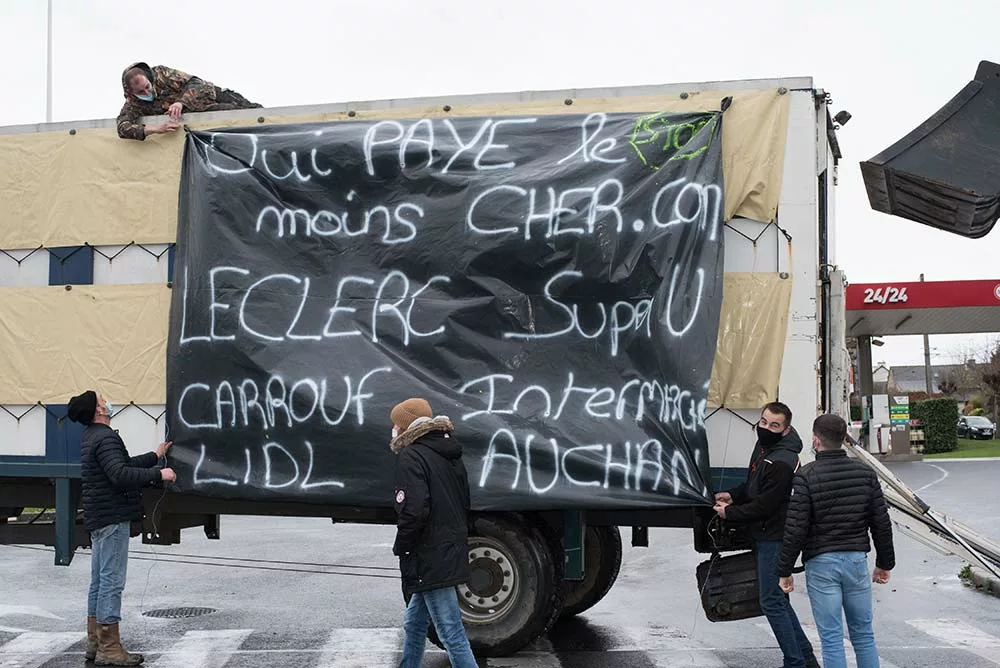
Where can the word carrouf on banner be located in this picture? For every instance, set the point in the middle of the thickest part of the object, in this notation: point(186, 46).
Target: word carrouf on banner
point(551, 283)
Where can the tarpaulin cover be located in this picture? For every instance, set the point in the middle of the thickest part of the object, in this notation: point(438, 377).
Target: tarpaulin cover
point(57, 342)
point(551, 283)
point(752, 331)
point(63, 189)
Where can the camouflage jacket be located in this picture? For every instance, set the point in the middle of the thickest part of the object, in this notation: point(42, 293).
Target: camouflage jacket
point(169, 86)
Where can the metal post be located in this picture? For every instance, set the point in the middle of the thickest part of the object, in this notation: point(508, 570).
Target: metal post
point(927, 359)
point(67, 500)
point(574, 532)
point(48, 65)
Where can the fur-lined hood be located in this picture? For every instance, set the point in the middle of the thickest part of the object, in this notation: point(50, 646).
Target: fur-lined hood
point(421, 427)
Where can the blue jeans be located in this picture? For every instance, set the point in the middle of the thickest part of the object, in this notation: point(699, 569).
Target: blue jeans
point(108, 561)
point(774, 603)
point(440, 605)
point(841, 581)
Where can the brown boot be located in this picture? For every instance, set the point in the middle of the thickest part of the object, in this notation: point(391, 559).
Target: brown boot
point(110, 651)
point(91, 638)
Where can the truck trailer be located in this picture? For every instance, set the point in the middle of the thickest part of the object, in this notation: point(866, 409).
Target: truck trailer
point(601, 288)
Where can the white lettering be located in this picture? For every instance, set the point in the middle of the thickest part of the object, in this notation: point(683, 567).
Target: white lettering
point(491, 145)
point(596, 153)
point(371, 141)
point(600, 462)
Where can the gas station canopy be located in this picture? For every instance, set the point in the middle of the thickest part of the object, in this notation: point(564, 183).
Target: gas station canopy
point(925, 307)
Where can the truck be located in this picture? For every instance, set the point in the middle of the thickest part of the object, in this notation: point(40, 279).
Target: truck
point(602, 287)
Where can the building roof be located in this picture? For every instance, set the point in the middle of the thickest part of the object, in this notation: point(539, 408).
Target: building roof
point(911, 378)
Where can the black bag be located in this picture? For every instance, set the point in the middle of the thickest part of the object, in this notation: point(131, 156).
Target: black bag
point(728, 587)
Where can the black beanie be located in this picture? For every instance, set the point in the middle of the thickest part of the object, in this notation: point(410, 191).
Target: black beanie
point(82, 407)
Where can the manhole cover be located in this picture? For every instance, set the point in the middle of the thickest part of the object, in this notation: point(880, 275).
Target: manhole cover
point(178, 613)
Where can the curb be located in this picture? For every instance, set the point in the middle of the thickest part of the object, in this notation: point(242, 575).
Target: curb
point(931, 460)
point(984, 582)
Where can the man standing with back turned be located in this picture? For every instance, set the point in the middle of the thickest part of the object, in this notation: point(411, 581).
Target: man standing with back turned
point(111, 481)
point(762, 502)
point(836, 501)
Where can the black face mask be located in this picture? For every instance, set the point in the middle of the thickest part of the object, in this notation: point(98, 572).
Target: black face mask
point(767, 437)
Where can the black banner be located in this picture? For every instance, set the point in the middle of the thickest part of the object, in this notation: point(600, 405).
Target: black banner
point(552, 283)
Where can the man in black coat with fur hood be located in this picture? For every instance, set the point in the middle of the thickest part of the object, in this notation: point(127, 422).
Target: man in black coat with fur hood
point(432, 507)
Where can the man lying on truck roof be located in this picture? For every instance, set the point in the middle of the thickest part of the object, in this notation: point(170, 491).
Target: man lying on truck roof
point(154, 91)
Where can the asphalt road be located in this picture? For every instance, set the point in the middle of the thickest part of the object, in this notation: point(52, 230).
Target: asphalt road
point(336, 603)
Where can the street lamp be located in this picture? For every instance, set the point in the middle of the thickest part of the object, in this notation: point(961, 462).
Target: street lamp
point(48, 64)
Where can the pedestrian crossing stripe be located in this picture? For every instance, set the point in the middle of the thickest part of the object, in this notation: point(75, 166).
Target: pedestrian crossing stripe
point(202, 649)
point(663, 647)
point(32, 649)
point(961, 635)
point(809, 628)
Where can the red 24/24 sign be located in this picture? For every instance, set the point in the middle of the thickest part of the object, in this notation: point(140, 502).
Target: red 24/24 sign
point(921, 295)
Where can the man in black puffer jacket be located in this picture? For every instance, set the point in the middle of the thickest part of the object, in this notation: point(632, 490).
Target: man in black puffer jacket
point(761, 502)
point(111, 481)
point(432, 507)
point(836, 502)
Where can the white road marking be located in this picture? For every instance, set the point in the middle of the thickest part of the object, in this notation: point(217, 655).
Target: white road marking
point(944, 474)
point(668, 647)
point(27, 610)
point(809, 628)
point(361, 648)
point(202, 649)
point(32, 649)
point(540, 654)
point(956, 633)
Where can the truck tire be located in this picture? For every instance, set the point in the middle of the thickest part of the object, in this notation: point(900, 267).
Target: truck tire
point(514, 592)
point(602, 561)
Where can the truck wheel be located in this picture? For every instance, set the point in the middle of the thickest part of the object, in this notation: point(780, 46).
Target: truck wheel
point(602, 548)
point(513, 590)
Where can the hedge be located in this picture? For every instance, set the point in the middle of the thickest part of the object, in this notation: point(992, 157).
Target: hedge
point(938, 417)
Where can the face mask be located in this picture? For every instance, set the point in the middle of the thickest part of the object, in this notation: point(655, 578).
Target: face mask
point(767, 437)
point(145, 98)
point(110, 409)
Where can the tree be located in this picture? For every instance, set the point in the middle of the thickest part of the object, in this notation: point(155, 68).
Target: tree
point(991, 379)
point(981, 368)
point(948, 385)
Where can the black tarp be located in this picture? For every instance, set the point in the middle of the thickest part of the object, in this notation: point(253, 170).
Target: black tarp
point(552, 283)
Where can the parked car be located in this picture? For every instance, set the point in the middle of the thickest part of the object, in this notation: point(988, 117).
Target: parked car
point(976, 426)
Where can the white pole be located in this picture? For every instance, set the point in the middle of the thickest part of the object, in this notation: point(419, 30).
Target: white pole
point(48, 66)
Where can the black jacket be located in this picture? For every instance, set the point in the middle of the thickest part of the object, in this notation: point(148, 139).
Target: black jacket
point(762, 500)
point(836, 501)
point(111, 480)
point(432, 507)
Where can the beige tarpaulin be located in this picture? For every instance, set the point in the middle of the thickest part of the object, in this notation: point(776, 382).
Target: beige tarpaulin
point(752, 331)
point(62, 189)
point(58, 342)
point(113, 337)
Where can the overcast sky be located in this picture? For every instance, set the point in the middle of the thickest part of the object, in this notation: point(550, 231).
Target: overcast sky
point(891, 63)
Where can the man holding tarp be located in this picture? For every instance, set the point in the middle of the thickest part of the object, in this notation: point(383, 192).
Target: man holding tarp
point(159, 90)
point(762, 502)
